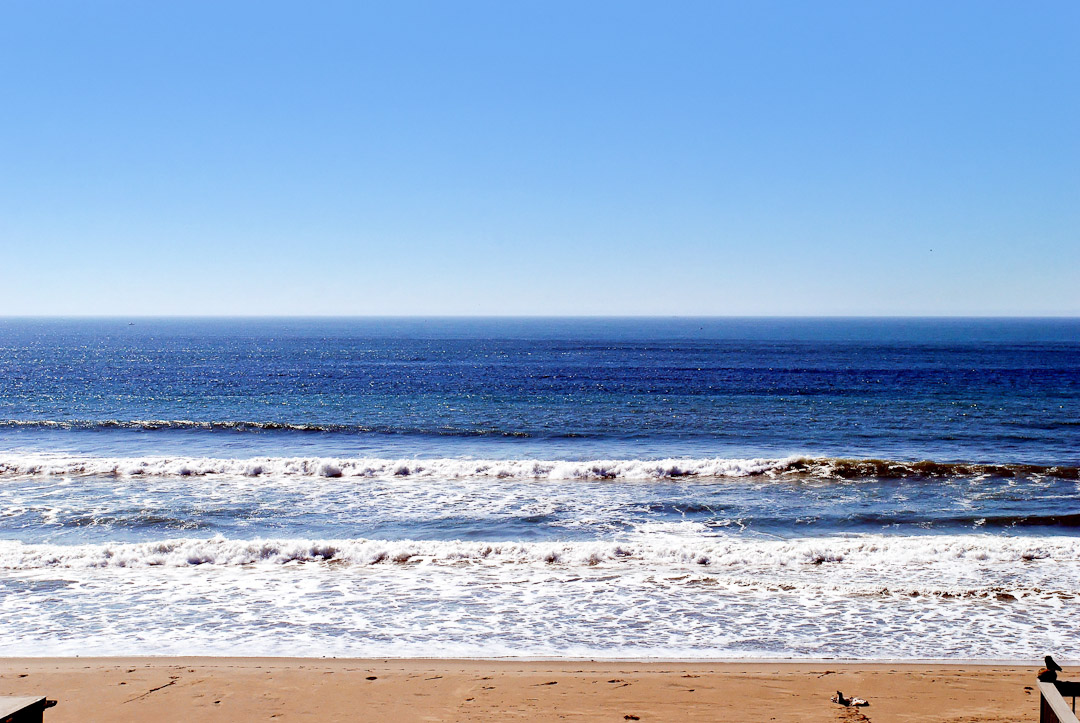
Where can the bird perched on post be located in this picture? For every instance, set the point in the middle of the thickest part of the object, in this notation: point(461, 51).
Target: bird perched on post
point(1049, 673)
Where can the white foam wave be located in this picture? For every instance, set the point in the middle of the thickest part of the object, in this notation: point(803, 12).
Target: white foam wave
point(52, 465)
point(55, 464)
point(964, 596)
point(843, 555)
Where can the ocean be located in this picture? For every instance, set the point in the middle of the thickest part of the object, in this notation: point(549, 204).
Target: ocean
point(585, 488)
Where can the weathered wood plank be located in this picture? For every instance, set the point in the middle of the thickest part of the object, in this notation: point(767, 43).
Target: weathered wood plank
point(11, 704)
point(1054, 709)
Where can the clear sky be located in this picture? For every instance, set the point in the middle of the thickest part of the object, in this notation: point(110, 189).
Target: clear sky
point(528, 157)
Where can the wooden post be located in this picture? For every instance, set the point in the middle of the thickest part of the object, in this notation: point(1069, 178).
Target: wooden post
point(1052, 706)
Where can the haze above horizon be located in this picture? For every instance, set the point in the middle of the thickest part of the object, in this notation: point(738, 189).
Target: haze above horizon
point(540, 159)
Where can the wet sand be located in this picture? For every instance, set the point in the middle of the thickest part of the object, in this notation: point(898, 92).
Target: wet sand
point(286, 689)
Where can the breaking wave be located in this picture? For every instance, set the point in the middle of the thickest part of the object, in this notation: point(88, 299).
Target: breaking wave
point(49, 465)
point(852, 554)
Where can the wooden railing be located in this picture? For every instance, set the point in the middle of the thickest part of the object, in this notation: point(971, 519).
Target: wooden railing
point(1053, 708)
point(23, 709)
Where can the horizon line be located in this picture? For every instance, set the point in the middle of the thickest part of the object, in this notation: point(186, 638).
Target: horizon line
point(545, 316)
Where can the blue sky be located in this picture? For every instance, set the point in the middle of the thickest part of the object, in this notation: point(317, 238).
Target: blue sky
point(742, 158)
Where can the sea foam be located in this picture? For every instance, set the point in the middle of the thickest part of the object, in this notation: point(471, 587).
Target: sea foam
point(852, 555)
point(52, 464)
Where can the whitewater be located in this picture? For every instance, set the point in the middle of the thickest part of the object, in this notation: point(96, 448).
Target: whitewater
point(454, 468)
point(872, 597)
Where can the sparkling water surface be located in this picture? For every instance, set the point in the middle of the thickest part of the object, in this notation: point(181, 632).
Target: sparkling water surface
point(542, 487)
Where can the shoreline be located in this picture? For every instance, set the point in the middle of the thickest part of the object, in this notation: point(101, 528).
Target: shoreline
point(131, 688)
point(554, 660)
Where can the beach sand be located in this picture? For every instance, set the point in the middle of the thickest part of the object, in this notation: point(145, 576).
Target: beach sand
point(285, 689)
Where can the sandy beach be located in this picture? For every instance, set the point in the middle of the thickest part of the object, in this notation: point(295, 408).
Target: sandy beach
point(253, 689)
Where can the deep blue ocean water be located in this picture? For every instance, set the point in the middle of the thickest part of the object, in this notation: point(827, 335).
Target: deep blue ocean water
point(594, 487)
